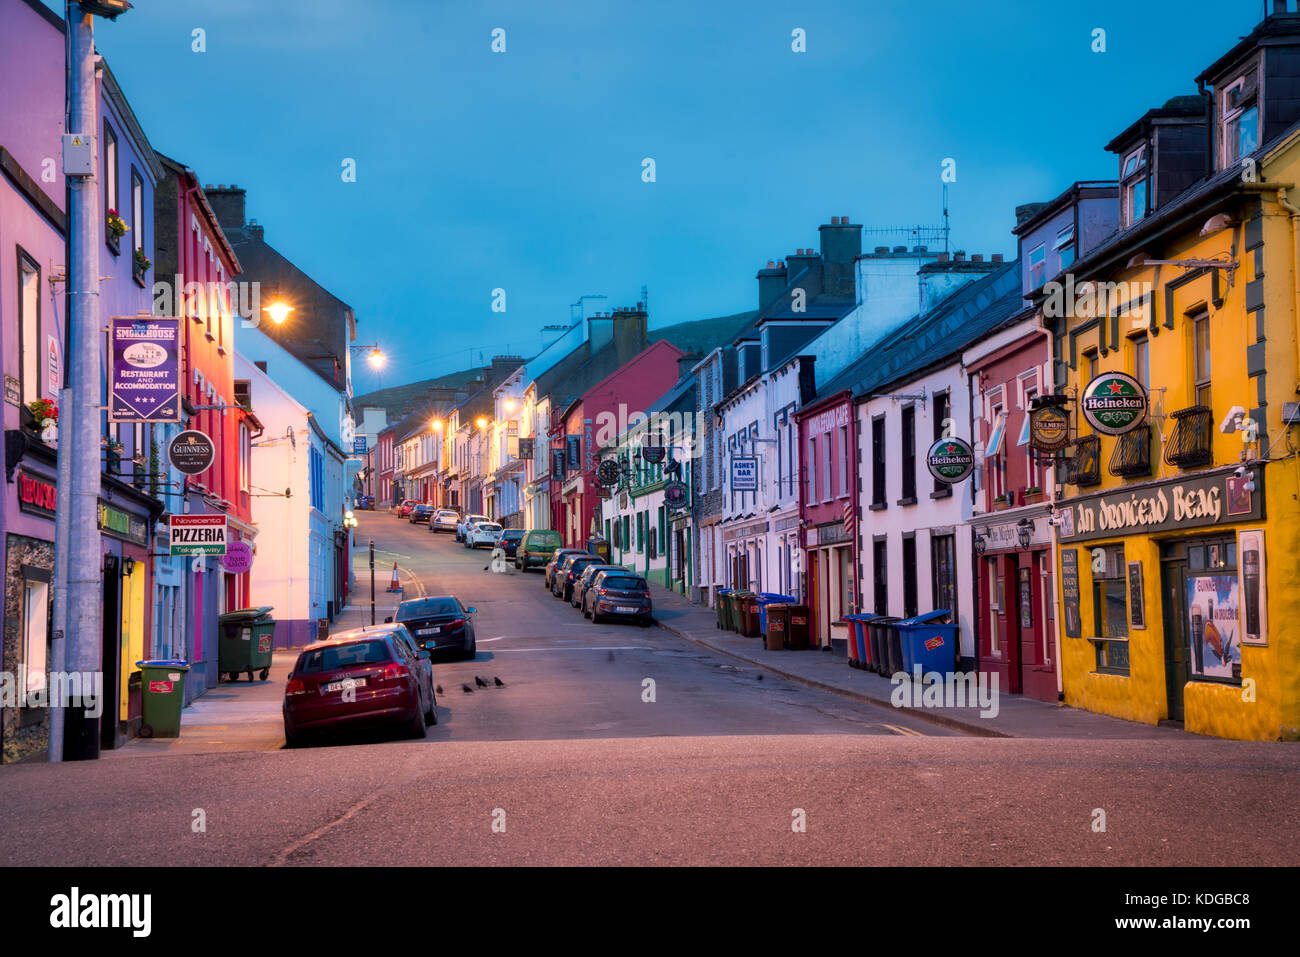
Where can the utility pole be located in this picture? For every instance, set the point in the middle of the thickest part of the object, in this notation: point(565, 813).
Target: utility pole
point(372, 581)
point(79, 432)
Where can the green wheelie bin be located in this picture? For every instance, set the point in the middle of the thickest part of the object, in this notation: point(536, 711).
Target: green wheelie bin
point(720, 606)
point(245, 643)
point(162, 683)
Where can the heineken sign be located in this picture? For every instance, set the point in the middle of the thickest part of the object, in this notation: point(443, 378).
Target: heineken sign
point(951, 460)
point(1114, 403)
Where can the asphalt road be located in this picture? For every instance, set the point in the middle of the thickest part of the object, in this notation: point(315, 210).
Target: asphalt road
point(568, 765)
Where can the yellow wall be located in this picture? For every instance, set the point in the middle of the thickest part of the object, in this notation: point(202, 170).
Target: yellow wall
point(1209, 708)
point(132, 644)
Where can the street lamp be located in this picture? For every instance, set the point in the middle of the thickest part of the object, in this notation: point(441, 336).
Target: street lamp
point(481, 422)
point(1024, 529)
point(279, 311)
point(510, 405)
point(377, 358)
point(105, 8)
point(436, 425)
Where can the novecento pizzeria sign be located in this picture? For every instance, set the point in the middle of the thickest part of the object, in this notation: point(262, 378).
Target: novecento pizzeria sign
point(1191, 502)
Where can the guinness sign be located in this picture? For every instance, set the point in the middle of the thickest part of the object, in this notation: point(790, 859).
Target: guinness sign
point(951, 460)
point(191, 452)
point(1114, 403)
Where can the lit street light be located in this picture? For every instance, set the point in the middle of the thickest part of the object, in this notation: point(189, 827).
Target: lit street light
point(279, 311)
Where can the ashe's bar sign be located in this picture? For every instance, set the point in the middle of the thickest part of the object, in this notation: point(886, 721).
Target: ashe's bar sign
point(191, 452)
point(1114, 403)
point(951, 460)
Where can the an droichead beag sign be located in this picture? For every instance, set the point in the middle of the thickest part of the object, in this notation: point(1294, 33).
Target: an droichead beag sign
point(951, 460)
point(198, 534)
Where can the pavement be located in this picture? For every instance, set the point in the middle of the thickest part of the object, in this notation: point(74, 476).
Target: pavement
point(1016, 716)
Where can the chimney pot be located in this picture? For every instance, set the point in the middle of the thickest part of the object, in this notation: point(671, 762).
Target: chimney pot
point(844, 220)
point(943, 257)
point(959, 256)
point(919, 249)
point(771, 264)
point(977, 258)
point(882, 250)
point(900, 249)
point(835, 220)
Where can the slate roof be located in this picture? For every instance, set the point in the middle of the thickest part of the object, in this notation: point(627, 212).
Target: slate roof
point(922, 341)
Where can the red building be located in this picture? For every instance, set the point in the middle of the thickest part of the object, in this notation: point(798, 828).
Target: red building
point(198, 266)
point(600, 414)
point(385, 490)
point(828, 508)
point(1013, 542)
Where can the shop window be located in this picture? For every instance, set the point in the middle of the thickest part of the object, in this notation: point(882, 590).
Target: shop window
point(997, 598)
point(36, 631)
point(943, 566)
point(1110, 608)
point(1211, 608)
point(1201, 359)
point(845, 563)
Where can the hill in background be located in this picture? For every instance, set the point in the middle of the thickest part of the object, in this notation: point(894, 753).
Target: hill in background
point(700, 336)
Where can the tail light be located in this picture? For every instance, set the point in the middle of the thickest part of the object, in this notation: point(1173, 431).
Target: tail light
point(394, 672)
point(456, 623)
point(571, 576)
point(294, 687)
point(600, 591)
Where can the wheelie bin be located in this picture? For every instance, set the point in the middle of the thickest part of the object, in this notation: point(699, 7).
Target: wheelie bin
point(777, 627)
point(720, 605)
point(765, 598)
point(162, 684)
point(749, 616)
point(887, 652)
point(930, 642)
point(245, 643)
point(860, 649)
point(740, 599)
point(728, 601)
point(798, 634)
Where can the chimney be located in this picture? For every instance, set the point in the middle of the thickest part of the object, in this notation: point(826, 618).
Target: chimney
point(771, 283)
point(687, 362)
point(977, 258)
point(502, 366)
point(629, 333)
point(841, 245)
point(1028, 211)
point(959, 256)
point(801, 260)
point(255, 230)
point(997, 257)
point(228, 204)
point(943, 257)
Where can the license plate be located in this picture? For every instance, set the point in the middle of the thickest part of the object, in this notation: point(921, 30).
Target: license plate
point(428, 631)
point(346, 682)
point(626, 608)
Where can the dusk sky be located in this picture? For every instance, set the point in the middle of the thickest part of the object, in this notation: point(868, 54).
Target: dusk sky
point(523, 170)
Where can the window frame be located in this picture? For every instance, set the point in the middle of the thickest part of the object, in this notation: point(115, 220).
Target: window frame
point(28, 352)
point(1229, 114)
point(1129, 182)
point(112, 184)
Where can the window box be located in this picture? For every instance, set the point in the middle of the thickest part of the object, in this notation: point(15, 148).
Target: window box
point(1031, 496)
point(1000, 503)
point(1189, 443)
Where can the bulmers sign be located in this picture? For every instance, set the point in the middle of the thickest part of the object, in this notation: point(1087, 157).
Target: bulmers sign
point(1114, 403)
point(1049, 428)
point(951, 460)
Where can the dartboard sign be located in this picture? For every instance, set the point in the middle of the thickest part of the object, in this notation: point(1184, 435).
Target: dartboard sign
point(608, 472)
point(652, 453)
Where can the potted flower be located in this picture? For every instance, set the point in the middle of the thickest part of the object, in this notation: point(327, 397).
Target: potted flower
point(114, 449)
point(117, 227)
point(142, 264)
point(1000, 503)
point(44, 415)
point(1032, 494)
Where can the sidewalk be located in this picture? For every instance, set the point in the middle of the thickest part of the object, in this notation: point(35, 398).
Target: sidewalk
point(1017, 717)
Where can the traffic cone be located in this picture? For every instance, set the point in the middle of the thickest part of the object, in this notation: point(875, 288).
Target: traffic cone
point(394, 586)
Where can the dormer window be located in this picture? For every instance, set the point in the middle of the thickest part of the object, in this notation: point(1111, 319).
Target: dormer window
point(1133, 181)
point(1037, 266)
point(1065, 245)
point(1240, 126)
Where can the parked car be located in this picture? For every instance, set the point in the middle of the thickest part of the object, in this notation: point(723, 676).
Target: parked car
point(463, 525)
point(584, 579)
point(537, 547)
point(510, 539)
point(483, 533)
point(360, 678)
point(421, 514)
point(404, 509)
point(548, 573)
point(620, 593)
point(439, 623)
point(568, 571)
point(444, 520)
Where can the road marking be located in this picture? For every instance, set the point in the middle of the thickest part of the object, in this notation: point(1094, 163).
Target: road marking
point(600, 648)
point(905, 731)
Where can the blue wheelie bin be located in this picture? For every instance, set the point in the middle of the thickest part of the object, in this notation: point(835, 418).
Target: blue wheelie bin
point(765, 598)
point(929, 641)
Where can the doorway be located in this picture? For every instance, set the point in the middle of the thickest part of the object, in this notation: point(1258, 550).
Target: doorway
point(1173, 586)
point(111, 652)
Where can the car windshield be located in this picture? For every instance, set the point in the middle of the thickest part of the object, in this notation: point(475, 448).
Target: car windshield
point(427, 608)
point(488, 527)
point(513, 533)
point(624, 583)
point(343, 655)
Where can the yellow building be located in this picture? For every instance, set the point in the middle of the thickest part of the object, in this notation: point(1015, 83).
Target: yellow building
point(1175, 341)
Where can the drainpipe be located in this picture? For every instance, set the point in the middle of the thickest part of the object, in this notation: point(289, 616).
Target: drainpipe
point(1056, 545)
point(1293, 213)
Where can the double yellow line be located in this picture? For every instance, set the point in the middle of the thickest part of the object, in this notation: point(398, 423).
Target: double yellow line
point(897, 730)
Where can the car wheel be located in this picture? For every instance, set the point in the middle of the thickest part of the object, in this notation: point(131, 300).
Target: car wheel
point(471, 651)
point(416, 726)
point(595, 618)
point(431, 716)
point(585, 613)
point(291, 740)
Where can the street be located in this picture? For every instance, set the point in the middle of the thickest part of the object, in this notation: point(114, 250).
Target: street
point(567, 764)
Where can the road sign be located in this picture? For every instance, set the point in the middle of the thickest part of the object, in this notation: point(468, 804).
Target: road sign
point(191, 452)
point(198, 534)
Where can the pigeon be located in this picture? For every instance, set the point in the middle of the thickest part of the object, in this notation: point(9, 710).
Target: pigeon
point(609, 656)
point(500, 683)
point(439, 689)
point(467, 689)
point(480, 682)
point(760, 677)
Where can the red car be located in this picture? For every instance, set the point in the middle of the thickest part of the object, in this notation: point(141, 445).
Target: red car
point(357, 679)
point(404, 509)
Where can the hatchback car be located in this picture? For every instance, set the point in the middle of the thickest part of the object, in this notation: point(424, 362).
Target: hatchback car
point(421, 514)
point(439, 624)
point(510, 540)
point(483, 533)
point(567, 572)
point(361, 678)
point(559, 555)
point(538, 546)
point(444, 520)
point(404, 509)
point(585, 578)
point(463, 525)
point(621, 593)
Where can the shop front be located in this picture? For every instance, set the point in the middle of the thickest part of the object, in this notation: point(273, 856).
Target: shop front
point(1167, 595)
point(1016, 607)
point(745, 542)
point(832, 585)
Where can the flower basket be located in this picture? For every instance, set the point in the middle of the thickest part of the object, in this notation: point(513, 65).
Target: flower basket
point(999, 503)
point(1032, 495)
point(117, 227)
point(141, 265)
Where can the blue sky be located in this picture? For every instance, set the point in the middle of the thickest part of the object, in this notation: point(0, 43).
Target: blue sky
point(522, 170)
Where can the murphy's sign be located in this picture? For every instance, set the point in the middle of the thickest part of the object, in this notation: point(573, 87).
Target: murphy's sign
point(1191, 502)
